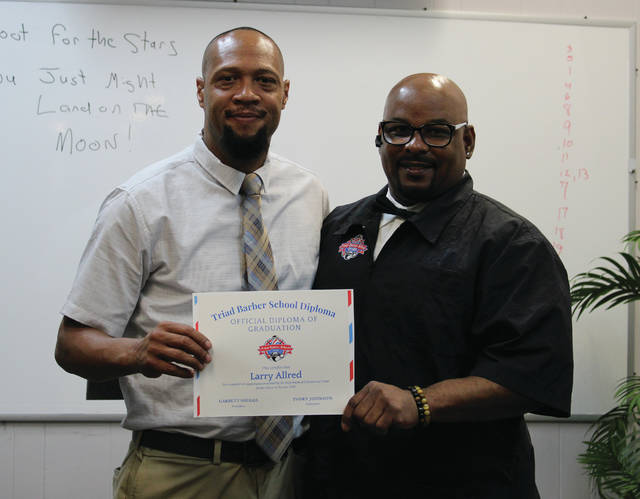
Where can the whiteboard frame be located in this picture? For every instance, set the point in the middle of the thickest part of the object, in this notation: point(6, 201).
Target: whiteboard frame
point(633, 347)
point(327, 9)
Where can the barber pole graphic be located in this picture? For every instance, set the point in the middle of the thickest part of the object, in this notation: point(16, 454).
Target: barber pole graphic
point(349, 303)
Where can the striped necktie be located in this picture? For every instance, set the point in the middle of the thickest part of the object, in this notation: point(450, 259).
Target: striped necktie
point(273, 433)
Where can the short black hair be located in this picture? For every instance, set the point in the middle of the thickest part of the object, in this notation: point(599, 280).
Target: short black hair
point(205, 59)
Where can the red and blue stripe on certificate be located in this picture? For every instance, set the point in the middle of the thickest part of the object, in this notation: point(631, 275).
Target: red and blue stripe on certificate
point(349, 303)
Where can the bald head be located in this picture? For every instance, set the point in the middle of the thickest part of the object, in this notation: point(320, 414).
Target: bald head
point(224, 40)
point(429, 89)
point(426, 109)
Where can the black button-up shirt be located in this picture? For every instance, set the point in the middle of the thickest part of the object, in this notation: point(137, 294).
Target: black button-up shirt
point(466, 287)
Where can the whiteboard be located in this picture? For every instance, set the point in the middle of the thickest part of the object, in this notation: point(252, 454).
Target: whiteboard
point(91, 93)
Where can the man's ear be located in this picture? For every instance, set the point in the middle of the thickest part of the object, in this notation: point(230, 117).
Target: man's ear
point(285, 96)
point(469, 138)
point(199, 91)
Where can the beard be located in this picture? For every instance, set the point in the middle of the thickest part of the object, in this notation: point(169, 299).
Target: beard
point(244, 148)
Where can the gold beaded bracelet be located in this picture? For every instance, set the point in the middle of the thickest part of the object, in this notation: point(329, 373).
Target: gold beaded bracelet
point(424, 412)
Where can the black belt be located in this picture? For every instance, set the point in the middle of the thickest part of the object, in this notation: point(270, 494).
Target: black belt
point(247, 453)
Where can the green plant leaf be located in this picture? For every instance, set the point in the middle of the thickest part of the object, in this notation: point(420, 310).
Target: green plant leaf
point(612, 456)
point(632, 240)
point(606, 286)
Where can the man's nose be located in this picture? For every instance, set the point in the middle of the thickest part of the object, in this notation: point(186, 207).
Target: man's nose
point(246, 91)
point(417, 143)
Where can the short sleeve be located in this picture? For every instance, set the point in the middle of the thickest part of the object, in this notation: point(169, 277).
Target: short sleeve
point(113, 267)
point(522, 322)
point(325, 203)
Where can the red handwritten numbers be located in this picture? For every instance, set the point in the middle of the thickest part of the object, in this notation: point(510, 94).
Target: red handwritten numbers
point(569, 173)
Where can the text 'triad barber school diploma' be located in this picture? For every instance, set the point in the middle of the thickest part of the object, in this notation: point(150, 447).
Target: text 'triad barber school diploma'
point(275, 352)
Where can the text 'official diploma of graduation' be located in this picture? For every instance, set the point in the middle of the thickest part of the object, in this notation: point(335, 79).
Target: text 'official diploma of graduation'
point(275, 352)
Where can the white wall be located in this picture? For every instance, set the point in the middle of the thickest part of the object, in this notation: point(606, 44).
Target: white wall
point(74, 460)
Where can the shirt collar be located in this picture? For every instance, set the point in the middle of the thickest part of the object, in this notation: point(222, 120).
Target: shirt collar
point(230, 178)
point(430, 222)
point(414, 207)
point(440, 211)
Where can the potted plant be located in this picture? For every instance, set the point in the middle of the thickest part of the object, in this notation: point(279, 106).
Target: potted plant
point(612, 455)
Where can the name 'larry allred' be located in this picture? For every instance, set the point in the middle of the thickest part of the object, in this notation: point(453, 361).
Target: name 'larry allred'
point(277, 376)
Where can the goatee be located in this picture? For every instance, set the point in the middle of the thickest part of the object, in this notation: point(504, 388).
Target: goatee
point(244, 148)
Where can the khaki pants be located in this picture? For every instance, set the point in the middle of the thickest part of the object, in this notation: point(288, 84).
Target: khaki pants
point(154, 474)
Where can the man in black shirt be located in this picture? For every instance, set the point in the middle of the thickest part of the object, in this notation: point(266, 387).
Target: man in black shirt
point(462, 317)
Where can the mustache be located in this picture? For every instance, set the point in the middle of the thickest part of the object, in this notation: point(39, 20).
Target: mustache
point(426, 161)
point(245, 110)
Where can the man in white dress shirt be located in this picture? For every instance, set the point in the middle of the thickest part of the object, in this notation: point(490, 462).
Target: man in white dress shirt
point(175, 228)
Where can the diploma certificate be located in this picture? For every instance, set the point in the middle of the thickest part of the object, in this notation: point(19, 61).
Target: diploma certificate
point(275, 352)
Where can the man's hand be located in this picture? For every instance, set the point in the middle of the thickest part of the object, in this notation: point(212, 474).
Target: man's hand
point(379, 406)
point(93, 354)
point(171, 343)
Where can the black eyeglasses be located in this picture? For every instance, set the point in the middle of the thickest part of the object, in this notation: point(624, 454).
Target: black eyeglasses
point(434, 135)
